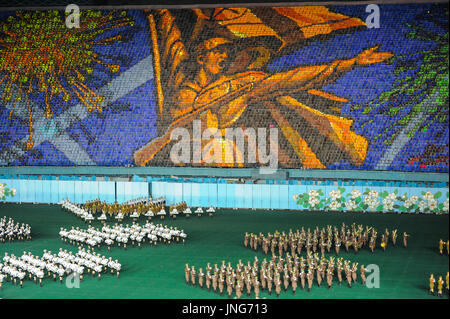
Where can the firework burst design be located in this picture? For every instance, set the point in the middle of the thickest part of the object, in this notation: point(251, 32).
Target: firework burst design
point(38, 53)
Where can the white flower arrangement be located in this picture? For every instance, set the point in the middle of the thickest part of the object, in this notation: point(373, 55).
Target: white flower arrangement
point(313, 193)
point(334, 205)
point(335, 194)
point(372, 200)
point(445, 206)
point(5, 192)
point(355, 193)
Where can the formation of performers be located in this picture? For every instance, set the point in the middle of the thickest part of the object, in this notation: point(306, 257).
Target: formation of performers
point(440, 284)
point(122, 235)
point(278, 273)
point(35, 268)
point(174, 210)
point(441, 246)
point(356, 236)
point(133, 209)
point(10, 230)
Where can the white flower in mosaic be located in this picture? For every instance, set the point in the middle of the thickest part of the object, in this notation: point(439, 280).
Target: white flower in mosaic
point(355, 193)
point(313, 201)
point(371, 202)
point(334, 205)
point(350, 204)
point(335, 194)
point(392, 197)
point(422, 205)
point(295, 197)
point(368, 200)
point(2, 193)
point(445, 206)
point(2, 186)
point(405, 197)
point(408, 203)
point(414, 199)
point(373, 193)
point(388, 205)
point(13, 191)
point(432, 204)
point(313, 193)
point(428, 196)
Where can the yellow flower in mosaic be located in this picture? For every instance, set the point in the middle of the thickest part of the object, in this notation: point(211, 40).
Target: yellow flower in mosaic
point(39, 54)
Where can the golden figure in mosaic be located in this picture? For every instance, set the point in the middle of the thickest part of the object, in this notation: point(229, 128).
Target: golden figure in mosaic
point(214, 72)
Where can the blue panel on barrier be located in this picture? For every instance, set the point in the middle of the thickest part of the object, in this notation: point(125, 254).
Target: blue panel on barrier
point(274, 196)
point(46, 191)
point(284, 197)
point(265, 197)
point(293, 190)
point(106, 191)
point(187, 193)
point(178, 192)
point(54, 197)
point(134, 191)
point(195, 194)
point(120, 192)
point(204, 197)
point(129, 191)
point(248, 195)
point(155, 189)
point(68, 189)
point(62, 194)
point(71, 190)
point(212, 194)
point(257, 196)
point(168, 192)
point(78, 191)
point(221, 195)
point(230, 195)
point(38, 197)
point(239, 196)
point(85, 190)
point(23, 191)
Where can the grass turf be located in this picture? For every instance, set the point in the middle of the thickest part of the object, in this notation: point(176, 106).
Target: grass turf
point(158, 272)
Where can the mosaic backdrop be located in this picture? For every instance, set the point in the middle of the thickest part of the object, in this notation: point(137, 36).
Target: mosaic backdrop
point(342, 95)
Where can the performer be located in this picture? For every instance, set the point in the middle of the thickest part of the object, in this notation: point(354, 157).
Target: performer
point(394, 236)
point(193, 275)
point(432, 281)
point(405, 239)
point(363, 274)
point(440, 286)
point(201, 277)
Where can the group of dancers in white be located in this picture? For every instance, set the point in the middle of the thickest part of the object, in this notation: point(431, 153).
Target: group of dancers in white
point(77, 210)
point(122, 235)
point(10, 230)
point(28, 266)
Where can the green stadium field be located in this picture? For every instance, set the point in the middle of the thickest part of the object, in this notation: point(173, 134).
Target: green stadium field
point(158, 272)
